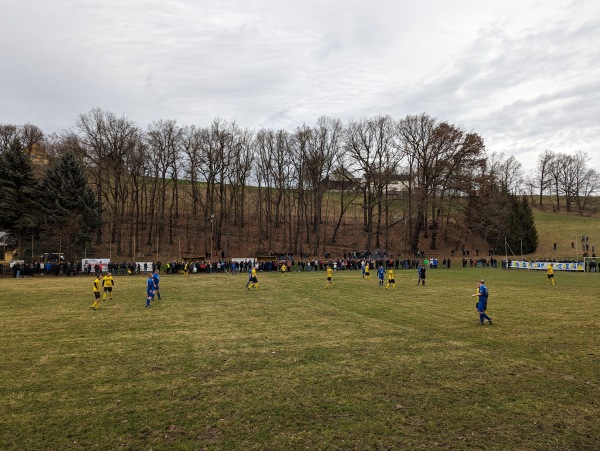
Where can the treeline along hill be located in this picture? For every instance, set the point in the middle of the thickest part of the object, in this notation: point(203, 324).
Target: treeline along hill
point(398, 186)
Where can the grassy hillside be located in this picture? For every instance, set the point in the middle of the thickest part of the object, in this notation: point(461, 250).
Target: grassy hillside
point(564, 229)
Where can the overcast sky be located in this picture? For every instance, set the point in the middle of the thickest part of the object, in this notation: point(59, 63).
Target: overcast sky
point(524, 74)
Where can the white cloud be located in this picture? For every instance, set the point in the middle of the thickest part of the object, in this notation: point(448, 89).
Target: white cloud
point(523, 74)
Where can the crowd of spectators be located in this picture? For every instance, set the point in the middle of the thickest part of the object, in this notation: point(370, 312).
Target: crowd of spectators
point(351, 260)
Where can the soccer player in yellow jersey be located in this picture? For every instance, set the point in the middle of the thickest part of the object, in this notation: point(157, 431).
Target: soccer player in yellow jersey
point(329, 276)
point(283, 268)
point(108, 283)
point(254, 280)
point(96, 291)
point(550, 272)
point(391, 280)
point(367, 273)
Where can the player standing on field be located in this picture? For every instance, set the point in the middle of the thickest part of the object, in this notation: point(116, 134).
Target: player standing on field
point(380, 275)
point(391, 280)
point(108, 283)
point(156, 277)
point(482, 294)
point(422, 271)
point(150, 288)
point(250, 270)
point(96, 291)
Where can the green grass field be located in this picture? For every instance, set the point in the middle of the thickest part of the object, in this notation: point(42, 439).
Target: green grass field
point(297, 366)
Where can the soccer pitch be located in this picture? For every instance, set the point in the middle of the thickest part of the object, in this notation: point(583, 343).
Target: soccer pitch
point(295, 365)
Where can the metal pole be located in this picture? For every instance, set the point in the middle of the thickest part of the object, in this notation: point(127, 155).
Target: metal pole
point(521, 248)
point(212, 233)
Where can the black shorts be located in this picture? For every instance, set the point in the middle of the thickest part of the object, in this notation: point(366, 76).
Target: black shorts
point(97, 294)
point(108, 289)
point(391, 281)
point(254, 280)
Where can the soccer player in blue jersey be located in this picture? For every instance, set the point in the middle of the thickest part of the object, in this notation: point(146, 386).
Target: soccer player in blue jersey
point(156, 277)
point(380, 275)
point(482, 294)
point(250, 269)
point(150, 288)
point(421, 271)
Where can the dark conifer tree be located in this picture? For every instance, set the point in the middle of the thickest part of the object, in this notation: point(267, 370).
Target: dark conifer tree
point(70, 207)
point(19, 194)
point(496, 215)
point(522, 225)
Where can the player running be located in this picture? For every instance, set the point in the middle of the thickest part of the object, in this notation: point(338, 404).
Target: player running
point(329, 277)
point(550, 272)
point(253, 280)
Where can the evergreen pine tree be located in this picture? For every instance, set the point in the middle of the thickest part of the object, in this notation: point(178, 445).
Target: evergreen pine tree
point(70, 206)
point(19, 191)
point(500, 215)
point(530, 236)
